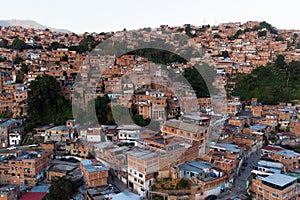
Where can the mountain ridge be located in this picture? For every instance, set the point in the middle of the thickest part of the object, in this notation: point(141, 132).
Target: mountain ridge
point(29, 24)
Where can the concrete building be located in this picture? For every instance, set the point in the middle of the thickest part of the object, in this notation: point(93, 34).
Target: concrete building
point(94, 175)
point(275, 186)
point(143, 166)
point(129, 133)
point(26, 169)
point(189, 132)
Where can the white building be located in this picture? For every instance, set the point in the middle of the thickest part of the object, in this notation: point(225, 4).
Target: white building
point(14, 138)
point(129, 133)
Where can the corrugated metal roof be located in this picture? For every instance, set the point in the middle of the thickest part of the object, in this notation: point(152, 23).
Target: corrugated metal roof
point(279, 179)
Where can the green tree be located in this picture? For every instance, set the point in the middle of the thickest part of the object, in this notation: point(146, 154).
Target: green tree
point(271, 84)
point(217, 36)
point(238, 33)
point(106, 115)
point(200, 84)
point(262, 33)
point(24, 68)
point(46, 104)
point(20, 77)
point(36, 38)
point(102, 108)
point(139, 120)
point(57, 45)
point(279, 62)
point(295, 35)
point(4, 43)
point(297, 148)
point(87, 44)
point(17, 60)
point(265, 25)
point(2, 59)
point(188, 31)
point(158, 56)
point(18, 44)
point(61, 188)
point(183, 184)
point(246, 30)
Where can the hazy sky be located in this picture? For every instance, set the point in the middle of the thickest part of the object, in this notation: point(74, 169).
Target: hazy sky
point(107, 15)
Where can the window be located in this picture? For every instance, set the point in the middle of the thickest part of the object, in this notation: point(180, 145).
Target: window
point(259, 189)
point(274, 195)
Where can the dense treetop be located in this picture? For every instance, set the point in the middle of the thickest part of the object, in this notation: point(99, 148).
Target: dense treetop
point(45, 103)
point(271, 84)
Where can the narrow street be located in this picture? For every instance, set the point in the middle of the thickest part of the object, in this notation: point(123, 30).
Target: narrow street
point(116, 183)
point(240, 181)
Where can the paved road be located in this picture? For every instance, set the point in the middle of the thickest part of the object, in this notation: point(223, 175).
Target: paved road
point(117, 183)
point(240, 181)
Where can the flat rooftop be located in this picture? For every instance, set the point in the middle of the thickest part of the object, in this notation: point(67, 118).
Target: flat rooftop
point(266, 163)
point(288, 153)
point(194, 117)
point(59, 128)
point(193, 128)
point(227, 147)
point(142, 154)
point(186, 166)
point(88, 164)
point(63, 168)
point(129, 127)
point(258, 127)
point(279, 179)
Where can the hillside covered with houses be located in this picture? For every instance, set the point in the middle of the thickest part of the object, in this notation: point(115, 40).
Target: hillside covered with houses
point(233, 134)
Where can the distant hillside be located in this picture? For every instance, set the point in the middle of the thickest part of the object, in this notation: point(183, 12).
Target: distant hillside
point(271, 84)
point(29, 24)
